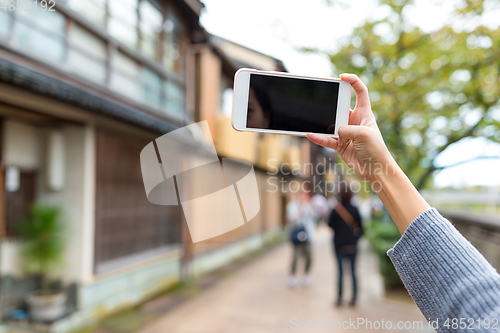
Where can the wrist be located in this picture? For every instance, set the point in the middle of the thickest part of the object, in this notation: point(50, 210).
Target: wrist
point(383, 171)
point(401, 199)
point(389, 180)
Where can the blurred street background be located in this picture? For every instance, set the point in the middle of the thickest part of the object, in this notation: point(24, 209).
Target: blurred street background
point(85, 85)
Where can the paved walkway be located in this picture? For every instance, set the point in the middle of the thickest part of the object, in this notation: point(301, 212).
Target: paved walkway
point(255, 299)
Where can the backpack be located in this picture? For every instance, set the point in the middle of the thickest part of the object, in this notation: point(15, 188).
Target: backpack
point(299, 235)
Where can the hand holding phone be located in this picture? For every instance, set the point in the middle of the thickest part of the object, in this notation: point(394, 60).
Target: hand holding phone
point(360, 143)
point(283, 103)
point(362, 147)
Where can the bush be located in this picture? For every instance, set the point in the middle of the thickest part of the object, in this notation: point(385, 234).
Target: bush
point(44, 243)
point(382, 235)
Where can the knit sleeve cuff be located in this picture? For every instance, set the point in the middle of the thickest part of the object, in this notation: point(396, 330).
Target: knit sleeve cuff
point(443, 272)
point(428, 219)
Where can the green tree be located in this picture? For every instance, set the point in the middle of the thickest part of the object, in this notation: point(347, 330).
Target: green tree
point(428, 90)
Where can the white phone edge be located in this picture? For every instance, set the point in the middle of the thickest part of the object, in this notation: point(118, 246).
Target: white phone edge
point(240, 101)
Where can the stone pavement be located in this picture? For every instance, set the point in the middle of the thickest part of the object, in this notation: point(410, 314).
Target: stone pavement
point(255, 299)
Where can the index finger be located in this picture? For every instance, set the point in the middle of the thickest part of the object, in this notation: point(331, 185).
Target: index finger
point(362, 97)
point(324, 141)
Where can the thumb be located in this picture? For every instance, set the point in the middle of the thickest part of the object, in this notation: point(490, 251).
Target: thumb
point(353, 133)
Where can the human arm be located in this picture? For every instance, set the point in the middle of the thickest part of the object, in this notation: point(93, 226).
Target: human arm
point(446, 276)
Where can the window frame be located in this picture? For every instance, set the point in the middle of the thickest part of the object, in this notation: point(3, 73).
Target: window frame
point(16, 18)
point(161, 36)
point(112, 46)
point(70, 47)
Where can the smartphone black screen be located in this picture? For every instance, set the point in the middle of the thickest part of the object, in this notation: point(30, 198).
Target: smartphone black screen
point(292, 104)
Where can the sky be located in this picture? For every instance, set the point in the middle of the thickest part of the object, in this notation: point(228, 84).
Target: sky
point(279, 27)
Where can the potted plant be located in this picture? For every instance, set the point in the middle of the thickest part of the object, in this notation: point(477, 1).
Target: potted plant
point(42, 251)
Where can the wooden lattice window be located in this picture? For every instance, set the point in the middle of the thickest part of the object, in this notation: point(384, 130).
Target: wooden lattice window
point(128, 227)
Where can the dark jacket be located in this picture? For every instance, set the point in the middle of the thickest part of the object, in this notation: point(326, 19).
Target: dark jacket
point(343, 234)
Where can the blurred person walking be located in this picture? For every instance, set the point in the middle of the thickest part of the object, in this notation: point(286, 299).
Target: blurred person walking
point(302, 216)
point(345, 221)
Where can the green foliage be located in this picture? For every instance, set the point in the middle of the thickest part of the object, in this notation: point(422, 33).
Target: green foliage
point(428, 90)
point(382, 235)
point(44, 243)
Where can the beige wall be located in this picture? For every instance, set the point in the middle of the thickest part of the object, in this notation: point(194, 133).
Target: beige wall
point(305, 156)
point(267, 219)
point(24, 146)
point(77, 202)
point(270, 152)
point(274, 204)
point(291, 152)
point(209, 89)
point(231, 143)
point(21, 145)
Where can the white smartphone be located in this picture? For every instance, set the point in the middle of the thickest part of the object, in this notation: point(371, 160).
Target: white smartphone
point(283, 103)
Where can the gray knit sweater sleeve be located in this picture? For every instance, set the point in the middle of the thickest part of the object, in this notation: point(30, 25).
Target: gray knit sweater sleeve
point(446, 275)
